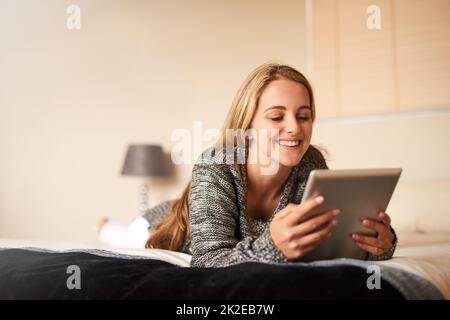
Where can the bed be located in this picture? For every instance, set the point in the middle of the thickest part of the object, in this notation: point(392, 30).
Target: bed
point(420, 269)
point(427, 255)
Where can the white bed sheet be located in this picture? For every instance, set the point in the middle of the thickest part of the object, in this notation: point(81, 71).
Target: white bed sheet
point(426, 255)
point(178, 258)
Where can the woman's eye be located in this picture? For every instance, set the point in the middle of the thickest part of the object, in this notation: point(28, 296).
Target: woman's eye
point(302, 118)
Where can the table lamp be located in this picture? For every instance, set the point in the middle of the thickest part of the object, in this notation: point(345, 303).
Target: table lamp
point(145, 161)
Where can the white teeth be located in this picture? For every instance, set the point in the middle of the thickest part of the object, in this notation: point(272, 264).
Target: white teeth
point(289, 143)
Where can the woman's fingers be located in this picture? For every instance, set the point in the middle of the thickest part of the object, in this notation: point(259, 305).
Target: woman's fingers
point(385, 218)
point(286, 211)
point(301, 251)
point(375, 225)
point(384, 232)
point(371, 241)
point(316, 237)
point(371, 249)
point(302, 233)
point(312, 224)
point(301, 210)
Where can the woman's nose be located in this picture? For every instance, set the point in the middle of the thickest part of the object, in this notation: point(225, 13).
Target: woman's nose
point(292, 125)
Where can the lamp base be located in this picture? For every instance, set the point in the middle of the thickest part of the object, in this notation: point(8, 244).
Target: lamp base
point(143, 198)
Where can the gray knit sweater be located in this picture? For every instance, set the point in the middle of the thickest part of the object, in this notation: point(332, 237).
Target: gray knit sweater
point(221, 232)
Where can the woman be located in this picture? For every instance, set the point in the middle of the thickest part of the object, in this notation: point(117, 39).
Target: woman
point(236, 212)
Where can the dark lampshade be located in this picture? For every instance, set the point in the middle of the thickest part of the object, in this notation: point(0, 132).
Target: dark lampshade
point(145, 160)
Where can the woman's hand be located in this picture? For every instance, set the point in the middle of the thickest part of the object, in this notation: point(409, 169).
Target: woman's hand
point(382, 242)
point(294, 235)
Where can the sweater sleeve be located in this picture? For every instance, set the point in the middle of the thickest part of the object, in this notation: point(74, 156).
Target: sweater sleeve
point(214, 216)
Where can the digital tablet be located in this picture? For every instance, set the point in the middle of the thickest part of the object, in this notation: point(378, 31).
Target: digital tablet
point(358, 193)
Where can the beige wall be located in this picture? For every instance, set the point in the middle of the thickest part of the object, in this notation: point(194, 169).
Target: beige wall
point(71, 101)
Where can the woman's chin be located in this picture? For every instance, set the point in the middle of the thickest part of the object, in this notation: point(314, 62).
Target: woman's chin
point(288, 156)
point(289, 162)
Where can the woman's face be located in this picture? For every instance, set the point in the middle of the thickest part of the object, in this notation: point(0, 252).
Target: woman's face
point(283, 105)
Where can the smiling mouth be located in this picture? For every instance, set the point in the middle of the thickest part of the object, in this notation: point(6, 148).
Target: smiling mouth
point(290, 144)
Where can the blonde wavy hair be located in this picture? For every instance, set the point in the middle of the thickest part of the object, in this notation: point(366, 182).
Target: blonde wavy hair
point(171, 233)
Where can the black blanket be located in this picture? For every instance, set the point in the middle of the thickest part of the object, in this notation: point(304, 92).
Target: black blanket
point(26, 274)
